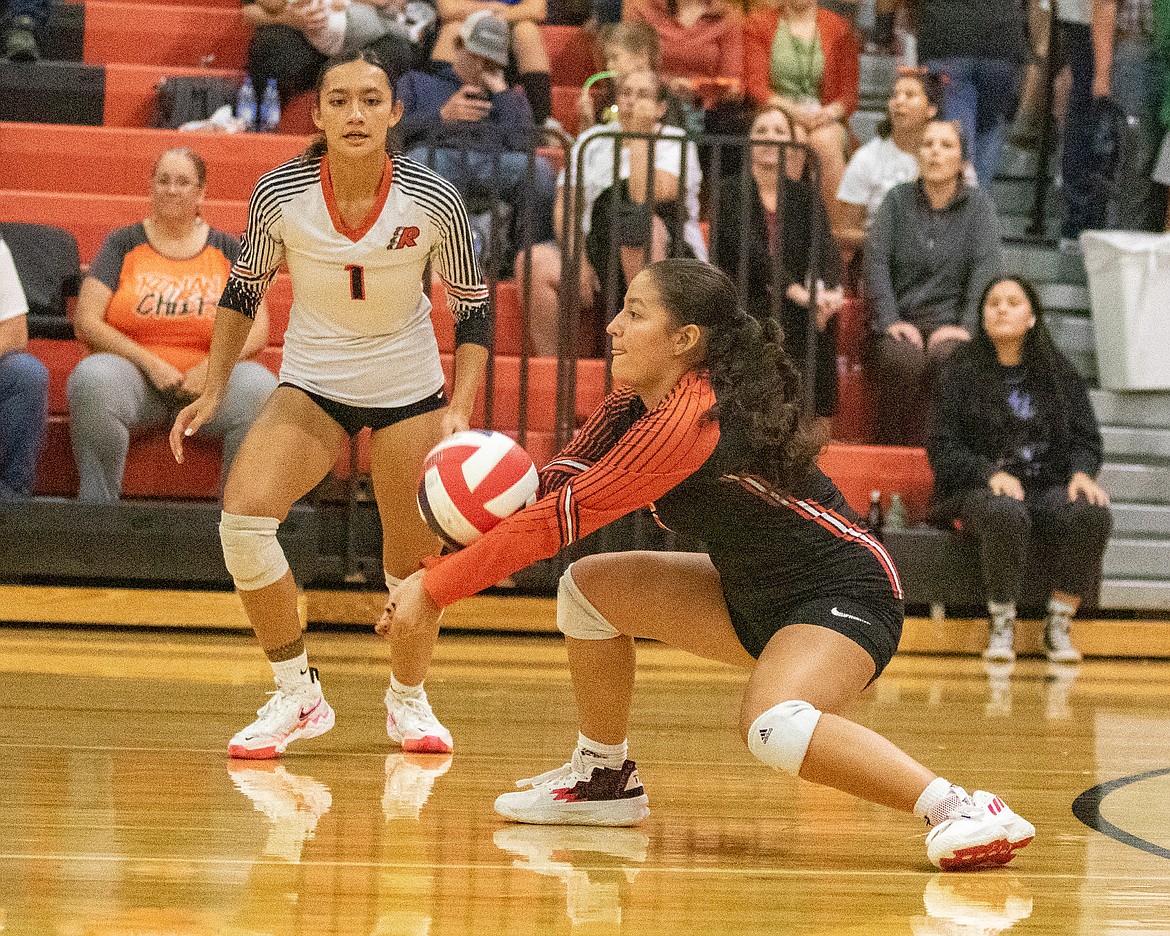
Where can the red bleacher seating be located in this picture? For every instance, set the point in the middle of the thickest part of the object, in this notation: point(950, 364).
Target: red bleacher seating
point(859, 469)
point(118, 161)
point(91, 217)
point(165, 34)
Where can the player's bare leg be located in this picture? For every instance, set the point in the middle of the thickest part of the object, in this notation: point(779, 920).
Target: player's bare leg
point(291, 447)
point(396, 456)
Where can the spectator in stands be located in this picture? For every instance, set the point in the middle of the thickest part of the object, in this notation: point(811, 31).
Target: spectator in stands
point(619, 207)
point(980, 49)
point(524, 18)
point(933, 248)
point(1128, 69)
point(702, 45)
point(890, 158)
point(294, 38)
point(21, 19)
point(807, 60)
point(146, 312)
point(464, 121)
point(625, 48)
point(1015, 450)
point(785, 211)
point(1084, 209)
point(24, 389)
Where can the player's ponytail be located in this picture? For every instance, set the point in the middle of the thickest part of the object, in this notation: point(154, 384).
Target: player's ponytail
point(757, 385)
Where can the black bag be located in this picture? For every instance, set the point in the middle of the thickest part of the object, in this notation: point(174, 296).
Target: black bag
point(183, 99)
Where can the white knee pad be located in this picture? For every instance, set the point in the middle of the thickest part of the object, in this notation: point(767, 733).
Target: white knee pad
point(780, 736)
point(576, 617)
point(250, 550)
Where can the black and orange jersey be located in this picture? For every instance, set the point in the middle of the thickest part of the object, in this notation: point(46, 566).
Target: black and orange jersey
point(770, 548)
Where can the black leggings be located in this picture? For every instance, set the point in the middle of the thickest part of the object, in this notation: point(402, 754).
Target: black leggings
point(1070, 536)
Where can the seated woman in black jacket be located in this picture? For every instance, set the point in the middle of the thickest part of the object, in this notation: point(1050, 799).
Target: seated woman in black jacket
point(785, 209)
point(1015, 449)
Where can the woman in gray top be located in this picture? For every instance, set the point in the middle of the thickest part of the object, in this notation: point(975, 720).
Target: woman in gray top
point(933, 248)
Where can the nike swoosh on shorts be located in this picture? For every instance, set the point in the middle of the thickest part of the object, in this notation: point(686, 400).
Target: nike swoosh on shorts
point(833, 610)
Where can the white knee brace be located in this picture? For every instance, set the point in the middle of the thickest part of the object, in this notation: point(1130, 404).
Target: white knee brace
point(576, 617)
point(780, 736)
point(250, 550)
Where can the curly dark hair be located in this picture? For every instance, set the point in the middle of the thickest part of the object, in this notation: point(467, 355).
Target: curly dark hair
point(1041, 360)
point(757, 385)
point(317, 146)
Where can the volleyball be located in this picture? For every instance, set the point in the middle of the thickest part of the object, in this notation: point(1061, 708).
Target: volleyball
point(471, 481)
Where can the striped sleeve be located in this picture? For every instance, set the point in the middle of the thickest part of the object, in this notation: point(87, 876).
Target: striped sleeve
point(261, 247)
point(656, 454)
point(600, 433)
point(453, 252)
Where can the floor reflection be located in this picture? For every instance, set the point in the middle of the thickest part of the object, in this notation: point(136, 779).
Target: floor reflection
point(597, 865)
point(292, 803)
point(972, 905)
point(410, 779)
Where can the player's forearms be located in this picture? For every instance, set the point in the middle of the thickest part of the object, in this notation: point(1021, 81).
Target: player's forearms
point(227, 341)
point(470, 363)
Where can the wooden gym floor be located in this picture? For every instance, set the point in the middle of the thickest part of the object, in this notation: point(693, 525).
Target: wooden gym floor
point(122, 815)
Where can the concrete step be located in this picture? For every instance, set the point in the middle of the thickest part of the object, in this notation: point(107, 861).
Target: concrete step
point(1136, 442)
point(877, 76)
point(1073, 335)
point(1137, 558)
point(1068, 298)
point(1135, 483)
point(1014, 228)
point(1141, 520)
point(1015, 197)
point(1134, 595)
point(1149, 409)
point(1044, 264)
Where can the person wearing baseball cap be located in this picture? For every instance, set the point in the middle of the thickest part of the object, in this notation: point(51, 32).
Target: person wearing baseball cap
point(463, 119)
point(520, 20)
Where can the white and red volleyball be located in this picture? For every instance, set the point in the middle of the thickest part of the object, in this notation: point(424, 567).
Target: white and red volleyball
point(473, 480)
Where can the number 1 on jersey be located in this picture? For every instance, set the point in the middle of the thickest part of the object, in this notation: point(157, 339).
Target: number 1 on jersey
point(357, 281)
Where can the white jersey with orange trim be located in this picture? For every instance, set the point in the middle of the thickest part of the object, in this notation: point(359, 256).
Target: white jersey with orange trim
point(359, 330)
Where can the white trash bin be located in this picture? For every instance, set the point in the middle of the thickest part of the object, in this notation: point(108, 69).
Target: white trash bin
point(1129, 290)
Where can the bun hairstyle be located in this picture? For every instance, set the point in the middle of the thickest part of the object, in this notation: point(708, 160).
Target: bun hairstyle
point(318, 146)
point(757, 386)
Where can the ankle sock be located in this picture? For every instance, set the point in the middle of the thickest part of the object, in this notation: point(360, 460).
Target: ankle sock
point(937, 800)
point(1058, 608)
point(1002, 610)
point(407, 692)
point(292, 675)
point(608, 755)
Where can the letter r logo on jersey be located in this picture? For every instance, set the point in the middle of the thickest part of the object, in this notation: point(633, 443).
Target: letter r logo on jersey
point(403, 237)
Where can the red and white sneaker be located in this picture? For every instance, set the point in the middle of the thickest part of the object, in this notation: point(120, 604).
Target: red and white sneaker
point(579, 794)
point(412, 725)
point(980, 832)
point(284, 718)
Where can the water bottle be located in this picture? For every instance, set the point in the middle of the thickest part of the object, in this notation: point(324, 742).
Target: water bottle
point(246, 105)
point(270, 107)
point(896, 515)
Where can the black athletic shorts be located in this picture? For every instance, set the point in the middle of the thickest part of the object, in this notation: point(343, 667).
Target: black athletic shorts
point(355, 418)
point(874, 625)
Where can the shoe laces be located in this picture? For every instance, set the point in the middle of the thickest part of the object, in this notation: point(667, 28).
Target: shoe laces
point(418, 706)
point(561, 774)
point(1002, 628)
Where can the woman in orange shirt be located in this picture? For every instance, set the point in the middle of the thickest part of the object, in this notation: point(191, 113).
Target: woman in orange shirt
point(146, 312)
point(806, 60)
